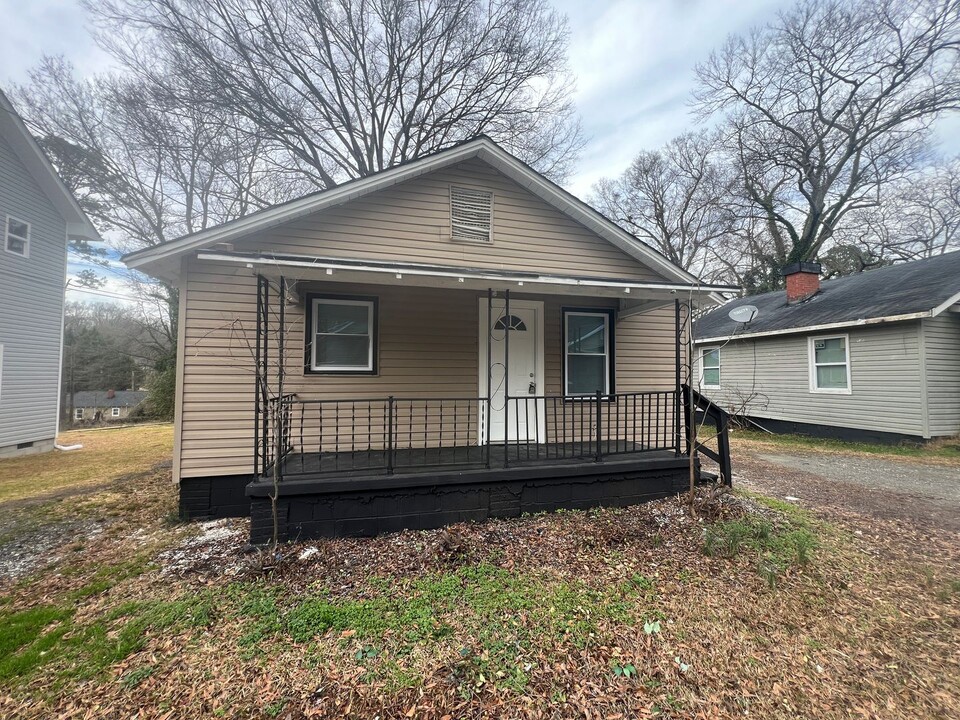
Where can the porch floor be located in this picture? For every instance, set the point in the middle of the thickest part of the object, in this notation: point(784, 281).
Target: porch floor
point(414, 461)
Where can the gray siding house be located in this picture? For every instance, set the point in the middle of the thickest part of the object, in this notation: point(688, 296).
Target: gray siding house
point(38, 216)
point(104, 406)
point(872, 356)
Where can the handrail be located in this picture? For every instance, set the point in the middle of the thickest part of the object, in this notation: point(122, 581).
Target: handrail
point(387, 434)
point(721, 420)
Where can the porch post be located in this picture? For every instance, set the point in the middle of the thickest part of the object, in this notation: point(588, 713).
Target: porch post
point(506, 378)
point(487, 426)
point(258, 379)
point(677, 399)
point(265, 440)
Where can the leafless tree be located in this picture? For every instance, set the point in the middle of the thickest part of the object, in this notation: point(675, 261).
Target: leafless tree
point(147, 167)
point(676, 199)
point(349, 87)
point(916, 218)
point(827, 104)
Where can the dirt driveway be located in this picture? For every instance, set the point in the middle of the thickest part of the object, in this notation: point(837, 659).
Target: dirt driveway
point(923, 494)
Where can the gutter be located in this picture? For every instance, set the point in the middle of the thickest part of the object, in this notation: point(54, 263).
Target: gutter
point(461, 274)
point(817, 328)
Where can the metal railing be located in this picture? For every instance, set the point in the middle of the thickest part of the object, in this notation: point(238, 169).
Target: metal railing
point(304, 437)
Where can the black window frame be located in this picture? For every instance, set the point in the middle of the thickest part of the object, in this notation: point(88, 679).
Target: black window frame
point(308, 336)
point(611, 314)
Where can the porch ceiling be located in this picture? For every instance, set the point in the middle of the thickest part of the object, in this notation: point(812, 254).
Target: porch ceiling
point(304, 267)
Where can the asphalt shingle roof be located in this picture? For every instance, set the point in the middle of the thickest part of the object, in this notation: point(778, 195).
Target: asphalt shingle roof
point(99, 399)
point(907, 288)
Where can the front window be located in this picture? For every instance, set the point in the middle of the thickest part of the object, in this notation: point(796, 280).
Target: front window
point(343, 334)
point(17, 237)
point(115, 412)
point(78, 414)
point(710, 368)
point(588, 356)
point(830, 364)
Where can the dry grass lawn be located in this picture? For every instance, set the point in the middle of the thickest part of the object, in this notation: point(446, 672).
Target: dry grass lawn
point(753, 608)
point(107, 454)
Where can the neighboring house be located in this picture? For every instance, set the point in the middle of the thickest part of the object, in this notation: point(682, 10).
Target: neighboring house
point(104, 405)
point(868, 356)
point(38, 216)
point(423, 310)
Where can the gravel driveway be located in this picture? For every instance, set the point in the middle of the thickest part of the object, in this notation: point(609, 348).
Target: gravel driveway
point(923, 494)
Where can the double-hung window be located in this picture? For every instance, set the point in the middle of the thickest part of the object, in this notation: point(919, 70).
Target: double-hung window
point(710, 368)
point(588, 352)
point(342, 334)
point(78, 413)
point(16, 238)
point(115, 412)
point(830, 364)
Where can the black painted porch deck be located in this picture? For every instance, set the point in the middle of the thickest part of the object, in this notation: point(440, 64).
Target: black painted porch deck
point(430, 461)
point(368, 501)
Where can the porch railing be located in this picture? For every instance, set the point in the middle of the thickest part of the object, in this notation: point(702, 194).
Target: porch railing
point(302, 436)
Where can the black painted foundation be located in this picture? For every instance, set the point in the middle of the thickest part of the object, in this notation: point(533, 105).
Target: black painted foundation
point(209, 498)
point(373, 505)
point(834, 432)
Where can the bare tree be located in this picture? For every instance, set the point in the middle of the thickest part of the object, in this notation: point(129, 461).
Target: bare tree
point(827, 104)
point(349, 87)
point(677, 199)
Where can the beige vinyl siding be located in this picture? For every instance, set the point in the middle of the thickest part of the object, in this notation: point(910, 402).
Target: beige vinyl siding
point(942, 355)
point(411, 223)
point(884, 372)
point(31, 309)
point(428, 347)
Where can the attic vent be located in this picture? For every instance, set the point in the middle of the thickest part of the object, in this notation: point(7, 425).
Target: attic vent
point(471, 213)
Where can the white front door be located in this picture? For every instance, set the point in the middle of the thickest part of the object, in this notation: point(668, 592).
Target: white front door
point(519, 418)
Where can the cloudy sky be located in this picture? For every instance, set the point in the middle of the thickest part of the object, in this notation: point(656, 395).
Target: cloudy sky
point(633, 60)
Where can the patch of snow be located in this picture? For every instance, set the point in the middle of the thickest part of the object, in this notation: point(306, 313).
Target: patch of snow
point(307, 553)
point(791, 498)
point(215, 546)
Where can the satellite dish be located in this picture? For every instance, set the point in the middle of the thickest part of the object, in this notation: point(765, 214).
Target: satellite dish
point(744, 314)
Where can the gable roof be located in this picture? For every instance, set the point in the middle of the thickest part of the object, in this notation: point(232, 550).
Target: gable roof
point(922, 288)
point(161, 260)
point(29, 153)
point(101, 399)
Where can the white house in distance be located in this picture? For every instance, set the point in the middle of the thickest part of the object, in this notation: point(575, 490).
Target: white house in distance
point(39, 216)
point(873, 356)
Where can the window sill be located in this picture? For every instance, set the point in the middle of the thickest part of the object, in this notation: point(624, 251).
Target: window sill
point(827, 391)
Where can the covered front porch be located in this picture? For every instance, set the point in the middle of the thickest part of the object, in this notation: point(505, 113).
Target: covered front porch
point(414, 396)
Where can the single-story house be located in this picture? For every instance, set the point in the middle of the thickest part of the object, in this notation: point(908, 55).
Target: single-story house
point(38, 218)
point(872, 356)
point(104, 405)
point(450, 339)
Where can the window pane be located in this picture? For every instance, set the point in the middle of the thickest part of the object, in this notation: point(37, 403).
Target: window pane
point(711, 376)
point(711, 358)
point(15, 227)
point(585, 374)
point(16, 246)
point(342, 319)
point(832, 377)
point(585, 334)
point(343, 351)
point(833, 350)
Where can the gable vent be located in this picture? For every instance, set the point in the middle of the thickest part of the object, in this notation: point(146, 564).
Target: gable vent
point(471, 213)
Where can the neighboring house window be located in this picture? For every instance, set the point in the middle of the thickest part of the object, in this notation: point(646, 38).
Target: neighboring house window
point(343, 334)
point(17, 237)
point(471, 214)
point(588, 352)
point(710, 367)
point(115, 412)
point(830, 364)
point(78, 414)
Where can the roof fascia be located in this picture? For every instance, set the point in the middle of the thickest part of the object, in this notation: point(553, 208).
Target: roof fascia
point(817, 328)
point(27, 150)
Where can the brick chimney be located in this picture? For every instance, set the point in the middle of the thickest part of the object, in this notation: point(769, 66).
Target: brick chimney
point(803, 281)
point(111, 394)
